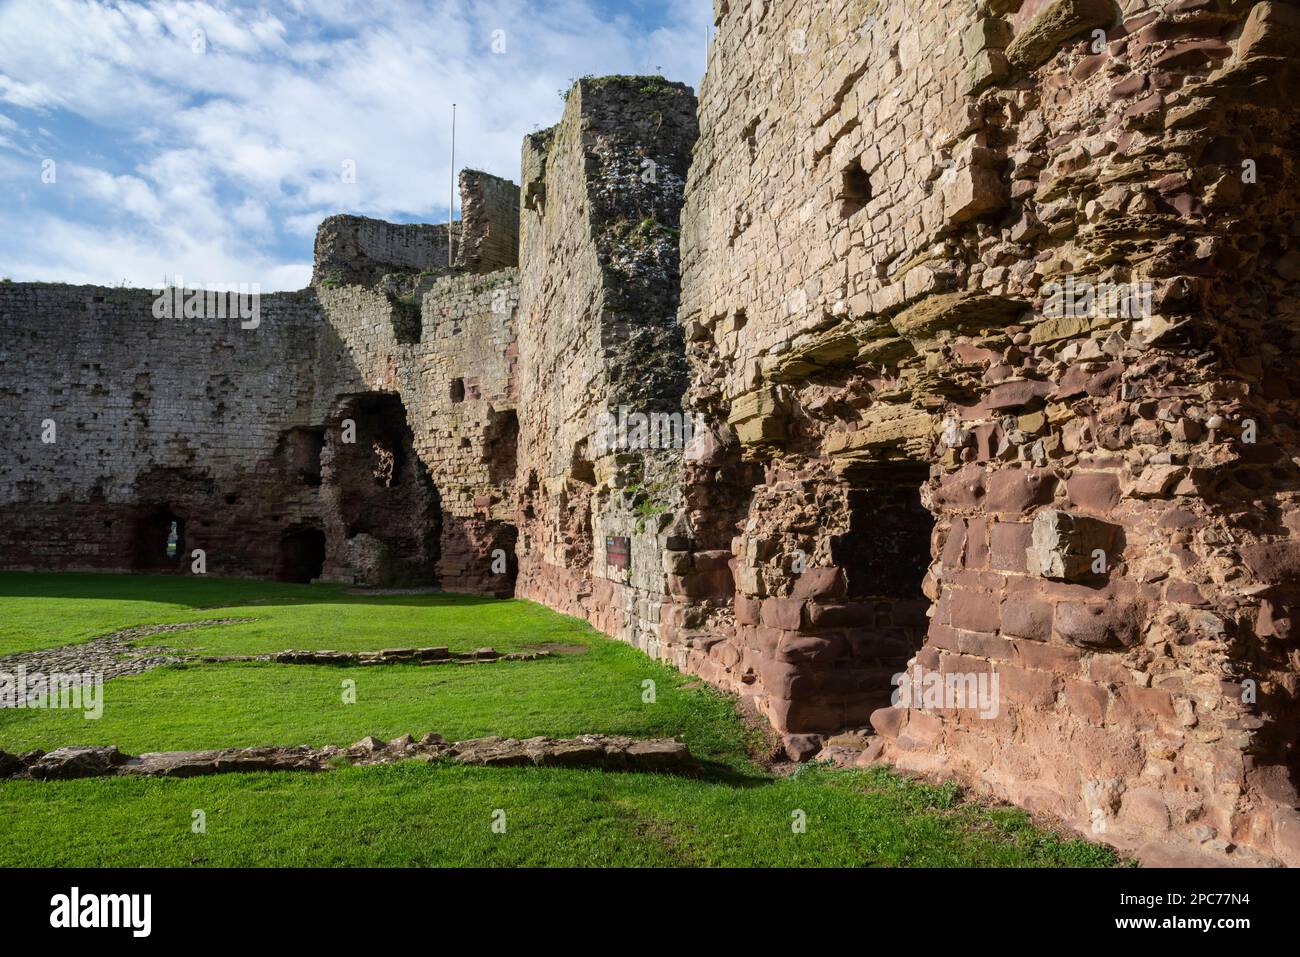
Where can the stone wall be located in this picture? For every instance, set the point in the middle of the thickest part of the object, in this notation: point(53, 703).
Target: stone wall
point(602, 193)
point(489, 218)
point(881, 196)
point(151, 417)
point(362, 431)
point(358, 250)
point(456, 382)
point(907, 457)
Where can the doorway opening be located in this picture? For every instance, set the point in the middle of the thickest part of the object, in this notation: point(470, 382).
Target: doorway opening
point(383, 511)
point(885, 555)
point(302, 555)
point(159, 541)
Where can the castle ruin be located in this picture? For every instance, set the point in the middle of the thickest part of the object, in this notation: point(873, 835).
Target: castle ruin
point(968, 324)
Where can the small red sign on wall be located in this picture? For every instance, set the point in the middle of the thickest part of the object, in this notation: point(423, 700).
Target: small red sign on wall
point(618, 550)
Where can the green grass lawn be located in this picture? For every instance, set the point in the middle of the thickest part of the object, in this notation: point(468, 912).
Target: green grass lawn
point(41, 610)
point(418, 813)
point(242, 705)
point(441, 814)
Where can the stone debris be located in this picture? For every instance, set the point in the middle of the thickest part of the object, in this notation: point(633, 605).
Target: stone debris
point(388, 656)
point(600, 751)
point(110, 656)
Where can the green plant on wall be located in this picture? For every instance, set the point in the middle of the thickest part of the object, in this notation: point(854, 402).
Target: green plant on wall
point(645, 503)
point(654, 85)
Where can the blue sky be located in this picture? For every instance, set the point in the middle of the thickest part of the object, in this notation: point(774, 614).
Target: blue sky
point(206, 140)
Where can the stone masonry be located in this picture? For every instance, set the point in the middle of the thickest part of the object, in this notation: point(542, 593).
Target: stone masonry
point(598, 332)
point(1096, 504)
point(236, 435)
point(982, 314)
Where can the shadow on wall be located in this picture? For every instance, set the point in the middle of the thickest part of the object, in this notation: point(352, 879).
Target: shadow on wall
point(381, 510)
point(207, 591)
point(302, 555)
point(885, 555)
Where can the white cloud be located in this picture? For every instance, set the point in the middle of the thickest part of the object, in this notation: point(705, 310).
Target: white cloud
point(235, 153)
point(32, 95)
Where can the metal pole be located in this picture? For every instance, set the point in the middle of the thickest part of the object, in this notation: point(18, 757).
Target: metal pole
point(451, 204)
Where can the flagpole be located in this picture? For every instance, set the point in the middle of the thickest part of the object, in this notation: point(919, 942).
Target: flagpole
point(451, 203)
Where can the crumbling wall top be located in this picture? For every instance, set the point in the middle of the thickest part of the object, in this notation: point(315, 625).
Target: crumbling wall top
point(489, 234)
point(359, 250)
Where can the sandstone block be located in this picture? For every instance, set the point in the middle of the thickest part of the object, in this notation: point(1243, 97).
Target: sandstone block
point(848, 614)
point(785, 614)
point(1061, 659)
point(1086, 701)
point(747, 610)
point(1027, 619)
point(891, 425)
point(1065, 546)
point(76, 762)
point(1271, 29)
point(1094, 491)
point(1016, 394)
point(1274, 562)
point(1097, 625)
point(758, 416)
point(1008, 542)
point(820, 584)
point(1029, 689)
point(974, 610)
point(986, 68)
point(888, 722)
point(985, 33)
point(1046, 33)
point(973, 191)
point(1015, 490)
point(819, 650)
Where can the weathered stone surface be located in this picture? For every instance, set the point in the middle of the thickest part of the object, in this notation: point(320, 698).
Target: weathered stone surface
point(954, 313)
point(1097, 625)
point(854, 263)
point(1270, 30)
point(1125, 421)
point(608, 752)
point(1069, 546)
point(1045, 34)
point(76, 762)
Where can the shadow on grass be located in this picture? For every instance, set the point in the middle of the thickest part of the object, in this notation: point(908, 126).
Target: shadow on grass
point(719, 772)
point(210, 591)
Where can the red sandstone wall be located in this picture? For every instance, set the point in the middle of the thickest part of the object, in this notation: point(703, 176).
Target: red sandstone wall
point(880, 197)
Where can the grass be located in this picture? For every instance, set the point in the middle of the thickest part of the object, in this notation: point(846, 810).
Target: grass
point(438, 813)
point(242, 705)
point(40, 610)
point(441, 815)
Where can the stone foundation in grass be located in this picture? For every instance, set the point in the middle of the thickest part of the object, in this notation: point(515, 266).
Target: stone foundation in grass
point(605, 752)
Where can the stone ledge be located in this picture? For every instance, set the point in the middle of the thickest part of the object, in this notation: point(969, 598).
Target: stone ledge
point(388, 656)
point(605, 752)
